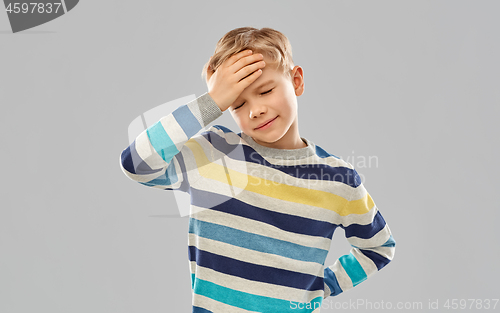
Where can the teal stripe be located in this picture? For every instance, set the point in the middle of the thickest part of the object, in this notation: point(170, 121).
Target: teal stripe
point(353, 269)
point(256, 242)
point(161, 142)
point(251, 302)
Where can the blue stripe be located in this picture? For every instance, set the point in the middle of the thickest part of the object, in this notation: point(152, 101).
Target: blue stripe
point(390, 242)
point(256, 242)
point(188, 122)
point(366, 231)
point(331, 280)
point(353, 269)
point(287, 222)
point(313, 171)
point(251, 302)
point(164, 180)
point(323, 154)
point(379, 260)
point(255, 272)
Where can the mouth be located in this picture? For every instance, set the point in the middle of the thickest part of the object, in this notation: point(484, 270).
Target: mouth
point(266, 123)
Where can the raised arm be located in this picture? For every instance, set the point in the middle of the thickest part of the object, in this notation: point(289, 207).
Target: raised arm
point(161, 156)
point(154, 158)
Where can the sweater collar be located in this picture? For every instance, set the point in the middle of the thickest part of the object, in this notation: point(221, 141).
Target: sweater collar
point(289, 154)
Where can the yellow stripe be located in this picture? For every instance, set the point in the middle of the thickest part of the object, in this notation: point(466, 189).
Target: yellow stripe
point(279, 191)
point(360, 206)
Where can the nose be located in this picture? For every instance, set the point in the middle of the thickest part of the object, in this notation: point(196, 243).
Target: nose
point(257, 110)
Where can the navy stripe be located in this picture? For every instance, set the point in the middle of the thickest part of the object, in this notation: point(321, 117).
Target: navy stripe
point(129, 156)
point(126, 159)
point(224, 129)
point(287, 222)
point(255, 272)
point(379, 260)
point(197, 309)
point(331, 280)
point(366, 231)
point(313, 171)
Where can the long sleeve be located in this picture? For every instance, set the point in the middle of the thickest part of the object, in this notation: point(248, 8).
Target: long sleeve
point(160, 156)
point(372, 243)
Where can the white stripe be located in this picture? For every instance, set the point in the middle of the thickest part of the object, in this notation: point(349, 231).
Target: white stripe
point(343, 279)
point(366, 263)
point(174, 130)
point(358, 192)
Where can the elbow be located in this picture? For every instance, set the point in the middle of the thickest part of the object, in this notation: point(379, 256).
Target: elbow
point(388, 252)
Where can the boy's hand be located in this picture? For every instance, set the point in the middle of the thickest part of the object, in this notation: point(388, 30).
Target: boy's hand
point(233, 76)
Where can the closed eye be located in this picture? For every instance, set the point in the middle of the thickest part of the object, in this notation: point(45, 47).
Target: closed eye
point(261, 94)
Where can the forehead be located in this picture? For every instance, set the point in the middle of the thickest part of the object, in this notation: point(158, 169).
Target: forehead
point(270, 74)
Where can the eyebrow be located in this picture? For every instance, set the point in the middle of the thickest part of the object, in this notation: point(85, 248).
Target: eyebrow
point(264, 84)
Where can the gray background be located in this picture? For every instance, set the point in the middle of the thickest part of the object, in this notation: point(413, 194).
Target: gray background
point(413, 84)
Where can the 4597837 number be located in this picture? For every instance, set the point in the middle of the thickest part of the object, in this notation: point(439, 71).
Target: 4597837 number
point(33, 7)
point(471, 304)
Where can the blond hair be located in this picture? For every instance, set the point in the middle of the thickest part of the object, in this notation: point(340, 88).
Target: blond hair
point(270, 42)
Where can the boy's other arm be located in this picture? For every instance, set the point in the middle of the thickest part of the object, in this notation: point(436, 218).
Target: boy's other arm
point(372, 243)
point(154, 159)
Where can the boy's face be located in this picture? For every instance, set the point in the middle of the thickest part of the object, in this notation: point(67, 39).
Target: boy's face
point(272, 95)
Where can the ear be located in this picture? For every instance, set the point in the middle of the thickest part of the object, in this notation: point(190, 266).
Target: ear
point(298, 80)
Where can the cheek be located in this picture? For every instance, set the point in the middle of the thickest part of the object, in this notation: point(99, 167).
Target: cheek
point(242, 124)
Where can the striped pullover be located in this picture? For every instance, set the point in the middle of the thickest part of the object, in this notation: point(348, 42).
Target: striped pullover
point(261, 219)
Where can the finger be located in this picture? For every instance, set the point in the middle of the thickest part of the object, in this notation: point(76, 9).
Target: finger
point(246, 61)
point(236, 57)
point(248, 80)
point(249, 69)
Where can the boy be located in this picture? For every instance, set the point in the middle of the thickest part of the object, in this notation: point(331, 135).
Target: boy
point(260, 245)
